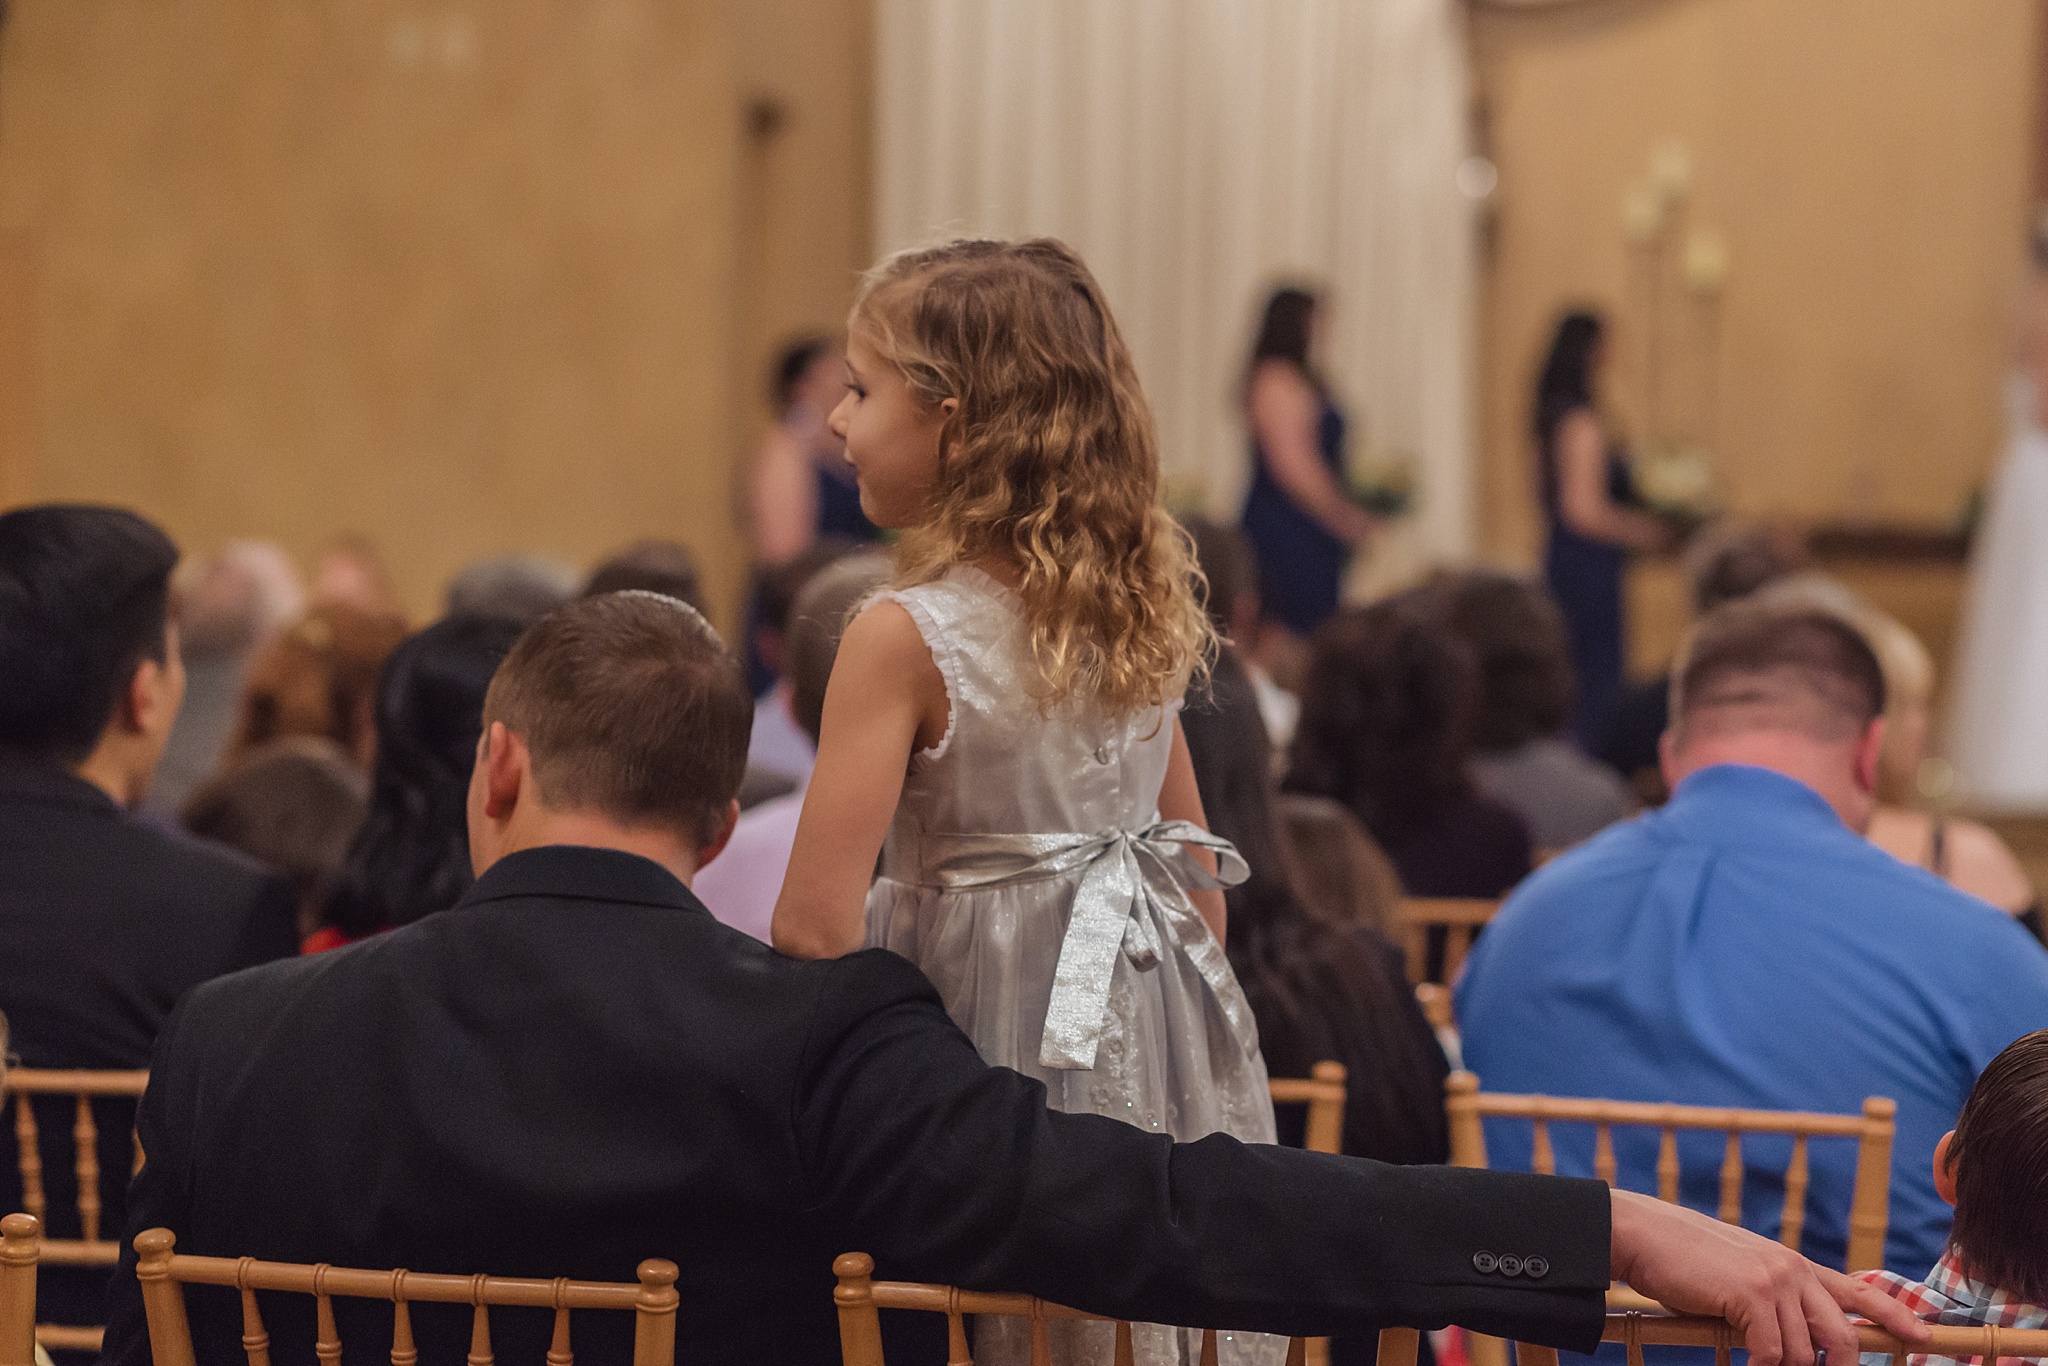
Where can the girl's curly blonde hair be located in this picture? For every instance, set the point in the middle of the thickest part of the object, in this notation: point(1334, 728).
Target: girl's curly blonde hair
point(1050, 463)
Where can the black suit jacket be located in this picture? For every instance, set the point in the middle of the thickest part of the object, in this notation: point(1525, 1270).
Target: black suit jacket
point(105, 922)
point(577, 1068)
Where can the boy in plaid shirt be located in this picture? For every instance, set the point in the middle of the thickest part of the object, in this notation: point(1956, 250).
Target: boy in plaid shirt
point(1993, 1167)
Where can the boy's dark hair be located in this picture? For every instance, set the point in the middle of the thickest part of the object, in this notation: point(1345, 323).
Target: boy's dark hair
point(2000, 1160)
point(1225, 558)
point(629, 705)
point(1751, 664)
point(84, 599)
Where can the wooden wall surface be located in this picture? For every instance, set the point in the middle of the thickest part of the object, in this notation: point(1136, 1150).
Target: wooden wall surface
point(459, 276)
point(1867, 163)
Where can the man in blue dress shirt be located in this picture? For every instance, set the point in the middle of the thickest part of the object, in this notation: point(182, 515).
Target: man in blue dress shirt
point(1746, 946)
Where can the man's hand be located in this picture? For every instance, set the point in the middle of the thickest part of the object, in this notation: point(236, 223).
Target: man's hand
point(1784, 1305)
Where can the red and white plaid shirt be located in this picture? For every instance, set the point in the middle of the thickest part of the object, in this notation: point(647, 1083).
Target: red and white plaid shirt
point(1947, 1296)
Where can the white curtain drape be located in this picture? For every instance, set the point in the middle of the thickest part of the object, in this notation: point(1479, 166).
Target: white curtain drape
point(1197, 152)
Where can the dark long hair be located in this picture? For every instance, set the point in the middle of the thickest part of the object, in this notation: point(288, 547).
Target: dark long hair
point(1286, 329)
point(1388, 708)
point(411, 855)
point(1566, 381)
point(1319, 990)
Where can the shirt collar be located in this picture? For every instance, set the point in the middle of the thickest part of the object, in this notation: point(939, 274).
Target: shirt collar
point(25, 780)
point(575, 872)
point(1748, 798)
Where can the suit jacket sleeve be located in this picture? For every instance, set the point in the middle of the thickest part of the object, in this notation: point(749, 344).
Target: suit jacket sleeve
point(271, 928)
point(159, 1196)
point(947, 1169)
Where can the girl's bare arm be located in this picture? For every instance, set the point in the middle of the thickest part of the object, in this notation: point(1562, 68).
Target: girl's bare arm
point(886, 700)
point(1181, 800)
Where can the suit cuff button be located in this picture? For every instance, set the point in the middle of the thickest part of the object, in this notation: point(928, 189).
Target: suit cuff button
point(1535, 1267)
point(1510, 1264)
point(1485, 1263)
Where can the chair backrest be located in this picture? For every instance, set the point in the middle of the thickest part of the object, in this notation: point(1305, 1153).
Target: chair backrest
point(163, 1272)
point(1460, 918)
point(1322, 1090)
point(27, 1083)
point(860, 1298)
point(1869, 1204)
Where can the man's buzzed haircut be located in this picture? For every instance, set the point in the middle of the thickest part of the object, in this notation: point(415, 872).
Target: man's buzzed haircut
point(631, 706)
point(1752, 665)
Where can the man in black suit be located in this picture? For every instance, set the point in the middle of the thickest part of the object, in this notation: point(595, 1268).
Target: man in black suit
point(105, 920)
point(577, 1067)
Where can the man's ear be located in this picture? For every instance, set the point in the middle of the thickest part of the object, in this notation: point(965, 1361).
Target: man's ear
point(508, 771)
point(1869, 746)
point(1667, 759)
point(715, 846)
point(144, 699)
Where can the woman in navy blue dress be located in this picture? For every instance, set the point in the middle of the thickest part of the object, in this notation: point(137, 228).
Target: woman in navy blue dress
point(1594, 517)
point(1298, 518)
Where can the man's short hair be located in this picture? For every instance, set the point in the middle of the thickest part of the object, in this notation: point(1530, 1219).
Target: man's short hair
point(2000, 1160)
point(1517, 634)
point(1755, 665)
point(84, 599)
point(1224, 556)
point(631, 706)
point(665, 567)
point(816, 624)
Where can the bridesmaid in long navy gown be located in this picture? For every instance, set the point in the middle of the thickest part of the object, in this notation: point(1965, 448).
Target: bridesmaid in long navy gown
point(1594, 517)
point(1300, 522)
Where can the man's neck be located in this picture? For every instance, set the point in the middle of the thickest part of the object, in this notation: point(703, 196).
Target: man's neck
point(104, 769)
point(1828, 769)
point(593, 831)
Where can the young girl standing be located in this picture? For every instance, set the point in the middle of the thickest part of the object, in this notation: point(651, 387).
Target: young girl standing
point(1003, 726)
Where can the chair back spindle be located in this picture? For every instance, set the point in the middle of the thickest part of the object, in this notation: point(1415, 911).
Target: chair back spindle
point(20, 1249)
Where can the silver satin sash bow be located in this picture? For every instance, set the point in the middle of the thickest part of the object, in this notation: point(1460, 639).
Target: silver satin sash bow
point(1124, 873)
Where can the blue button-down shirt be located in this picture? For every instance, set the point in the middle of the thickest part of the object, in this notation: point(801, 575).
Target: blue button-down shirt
point(1742, 946)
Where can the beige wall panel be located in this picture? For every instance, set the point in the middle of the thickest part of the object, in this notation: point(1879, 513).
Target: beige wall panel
point(456, 275)
point(806, 76)
point(1866, 162)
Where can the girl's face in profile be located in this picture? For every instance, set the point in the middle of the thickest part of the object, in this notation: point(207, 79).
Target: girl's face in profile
point(891, 440)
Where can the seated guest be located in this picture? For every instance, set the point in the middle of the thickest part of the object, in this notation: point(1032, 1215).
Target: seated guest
point(293, 806)
point(1524, 760)
point(654, 566)
point(1966, 853)
point(1746, 946)
point(518, 587)
point(320, 679)
point(1388, 707)
point(106, 919)
point(229, 605)
point(1232, 570)
point(580, 1067)
point(779, 746)
point(1342, 873)
point(740, 889)
point(1724, 562)
point(410, 853)
point(1320, 989)
point(1993, 1168)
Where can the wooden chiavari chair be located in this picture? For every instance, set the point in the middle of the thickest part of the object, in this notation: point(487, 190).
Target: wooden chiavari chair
point(1869, 1203)
point(27, 1083)
point(163, 1272)
point(1323, 1092)
point(1460, 918)
point(90, 1248)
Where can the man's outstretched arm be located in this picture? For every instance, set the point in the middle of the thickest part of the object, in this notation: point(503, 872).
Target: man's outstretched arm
point(948, 1169)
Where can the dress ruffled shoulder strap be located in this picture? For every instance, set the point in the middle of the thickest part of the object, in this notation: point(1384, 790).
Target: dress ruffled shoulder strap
point(935, 607)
